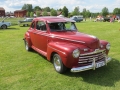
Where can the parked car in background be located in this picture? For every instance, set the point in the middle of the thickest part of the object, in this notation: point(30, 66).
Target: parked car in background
point(99, 19)
point(117, 17)
point(59, 41)
point(77, 18)
point(106, 19)
point(25, 22)
point(4, 24)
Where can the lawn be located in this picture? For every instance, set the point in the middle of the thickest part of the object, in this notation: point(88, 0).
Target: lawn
point(23, 70)
point(14, 21)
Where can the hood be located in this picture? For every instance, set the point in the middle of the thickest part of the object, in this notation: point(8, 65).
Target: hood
point(80, 38)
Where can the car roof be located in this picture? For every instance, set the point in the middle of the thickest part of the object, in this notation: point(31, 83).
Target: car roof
point(52, 19)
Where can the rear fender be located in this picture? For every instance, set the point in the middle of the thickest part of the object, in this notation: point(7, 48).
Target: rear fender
point(27, 38)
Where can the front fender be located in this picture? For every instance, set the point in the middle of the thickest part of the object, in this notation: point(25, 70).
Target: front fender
point(65, 51)
point(104, 43)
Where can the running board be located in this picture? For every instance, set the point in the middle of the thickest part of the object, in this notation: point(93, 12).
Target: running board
point(40, 51)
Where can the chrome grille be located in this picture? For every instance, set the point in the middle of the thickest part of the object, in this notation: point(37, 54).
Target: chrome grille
point(88, 58)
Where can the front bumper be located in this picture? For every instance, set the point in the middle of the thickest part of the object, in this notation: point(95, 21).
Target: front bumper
point(92, 66)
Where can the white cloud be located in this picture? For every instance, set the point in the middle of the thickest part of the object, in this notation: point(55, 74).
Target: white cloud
point(117, 4)
point(92, 5)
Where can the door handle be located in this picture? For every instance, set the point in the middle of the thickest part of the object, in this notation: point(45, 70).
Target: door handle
point(35, 33)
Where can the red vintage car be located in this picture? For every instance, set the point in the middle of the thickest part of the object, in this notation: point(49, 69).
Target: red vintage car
point(58, 39)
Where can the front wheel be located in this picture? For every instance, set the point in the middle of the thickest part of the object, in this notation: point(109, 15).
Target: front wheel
point(4, 27)
point(58, 65)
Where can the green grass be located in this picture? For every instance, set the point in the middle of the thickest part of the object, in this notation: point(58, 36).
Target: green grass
point(14, 21)
point(23, 70)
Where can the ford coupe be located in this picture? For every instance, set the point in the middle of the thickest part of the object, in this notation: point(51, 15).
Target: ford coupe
point(58, 39)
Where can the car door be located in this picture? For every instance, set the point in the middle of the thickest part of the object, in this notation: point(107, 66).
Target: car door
point(41, 36)
point(32, 31)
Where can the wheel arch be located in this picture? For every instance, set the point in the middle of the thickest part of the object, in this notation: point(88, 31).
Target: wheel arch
point(4, 25)
point(27, 38)
point(51, 56)
point(65, 52)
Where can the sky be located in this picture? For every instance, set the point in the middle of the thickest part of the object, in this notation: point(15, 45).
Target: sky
point(91, 5)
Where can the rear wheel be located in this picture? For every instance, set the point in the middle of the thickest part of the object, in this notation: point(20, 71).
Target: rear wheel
point(58, 65)
point(4, 27)
point(25, 25)
point(27, 46)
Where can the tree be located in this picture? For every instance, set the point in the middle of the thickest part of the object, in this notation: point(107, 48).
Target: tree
point(84, 13)
point(59, 9)
point(30, 8)
point(53, 12)
point(116, 11)
point(88, 14)
point(94, 15)
point(70, 15)
point(47, 9)
point(28, 14)
point(31, 14)
point(45, 13)
point(27, 7)
point(76, 11)
point(65, 11)
point(24, 7)
point(37, 8)
point(105, 11)
point(38, 13)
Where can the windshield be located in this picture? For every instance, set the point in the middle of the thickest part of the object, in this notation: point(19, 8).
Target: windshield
point(28, 19)
point(62, 26)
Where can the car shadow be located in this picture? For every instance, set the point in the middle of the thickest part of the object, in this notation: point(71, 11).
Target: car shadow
point(104, 76)
point(11, 29)
point(33, 51)
point(25, 26)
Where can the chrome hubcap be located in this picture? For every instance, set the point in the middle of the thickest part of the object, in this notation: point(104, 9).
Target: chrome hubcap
point(57, 63)
point(26, 46)
point(4, 27)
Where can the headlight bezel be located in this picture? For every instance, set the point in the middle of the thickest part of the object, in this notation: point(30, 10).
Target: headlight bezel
point(76, 53)
point(108, 46)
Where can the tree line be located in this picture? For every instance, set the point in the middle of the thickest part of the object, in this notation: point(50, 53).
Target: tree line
point(65, 12)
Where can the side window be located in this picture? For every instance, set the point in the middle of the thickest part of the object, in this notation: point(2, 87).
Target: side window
point(33, 25)
point(75, 18)
point(30, 20)
point(41, 26)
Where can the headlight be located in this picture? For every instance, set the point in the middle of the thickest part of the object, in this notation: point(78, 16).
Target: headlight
point(101, 45)
point(108, 46)
point(76, 53)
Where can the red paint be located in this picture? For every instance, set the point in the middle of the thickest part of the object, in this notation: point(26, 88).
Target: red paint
point(47, 42)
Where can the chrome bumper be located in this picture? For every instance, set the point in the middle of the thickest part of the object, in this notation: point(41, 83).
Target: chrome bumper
point(92, 66)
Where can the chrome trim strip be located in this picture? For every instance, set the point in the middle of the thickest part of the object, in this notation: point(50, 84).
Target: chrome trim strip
point(52, 36)
point(66, 39)
point(92, 52)
point(91, 55)
point(70, 40)
point(92, 66)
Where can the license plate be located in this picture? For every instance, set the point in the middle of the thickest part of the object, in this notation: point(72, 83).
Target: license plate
point(100, 64)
